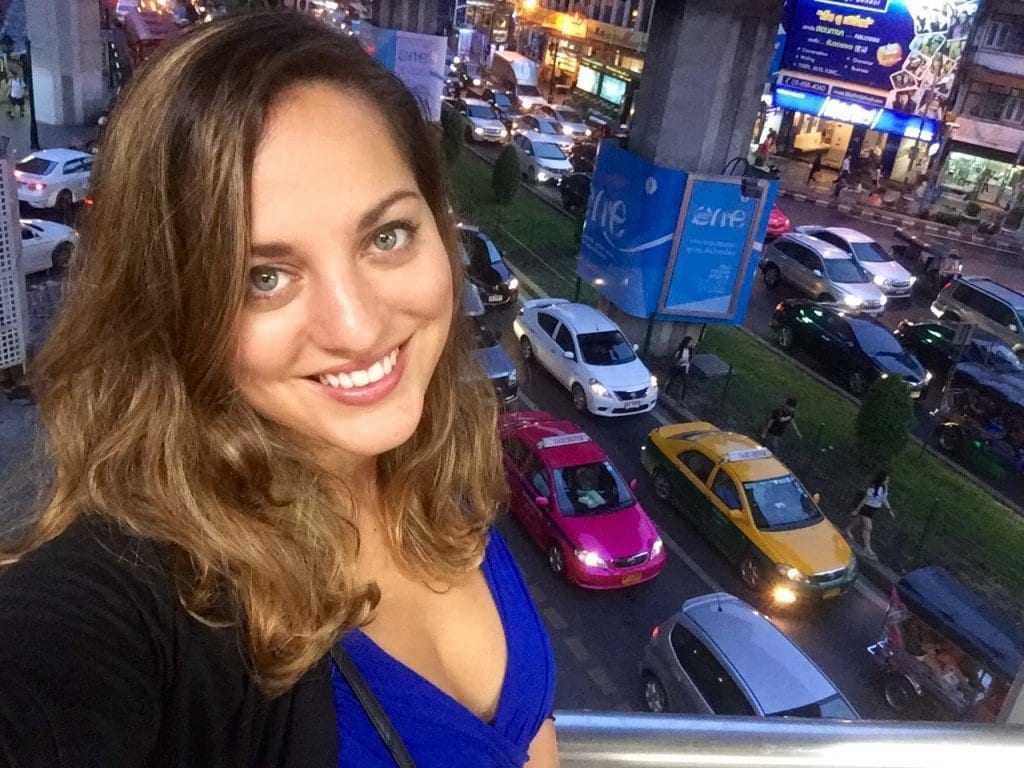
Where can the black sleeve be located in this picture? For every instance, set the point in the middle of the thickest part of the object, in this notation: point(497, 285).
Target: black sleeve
point(85, 640)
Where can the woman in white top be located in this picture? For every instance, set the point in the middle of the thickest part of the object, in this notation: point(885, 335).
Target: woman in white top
point(875, 497)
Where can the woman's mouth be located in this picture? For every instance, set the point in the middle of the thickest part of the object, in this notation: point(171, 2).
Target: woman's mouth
point(365, 386)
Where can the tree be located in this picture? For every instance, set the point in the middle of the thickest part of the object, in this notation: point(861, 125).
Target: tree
point(505, 176)
point(453, 129)
point(884, 421)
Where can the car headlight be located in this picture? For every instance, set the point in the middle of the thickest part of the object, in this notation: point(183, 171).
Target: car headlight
point(913, 279)
point(477, 81)
point(589, 132)
point(598, 388)
point(879, 281)
point(657, 547)
point(478, 131)
point(654, 380)
point(457, 60)
point(513, 283)
point(503, 133)
point(791, 573)
point(567, 130)
point(590, 559)
point(883, 300)
point(542, 176)
point(927, 376)
point(515, 124)
point(852, 301)
point(513, 377)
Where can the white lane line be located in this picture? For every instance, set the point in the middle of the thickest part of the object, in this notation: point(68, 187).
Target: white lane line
point(600, 677)
point(871, 593)
point(554, 619)
point(577, 649)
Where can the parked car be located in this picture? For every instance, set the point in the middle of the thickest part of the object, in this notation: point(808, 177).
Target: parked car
point(778, 224)
point(753, 509)
point(573, 124)
point(486, 269)
point(541, 162)
point(46, 245)
point(820, 271)
point(994, 308)
point(583, 156)
point(856, 349)
point(575, 505)
point(931, 342)
point(588, 354)
point(503, 102)
point(575, 191)
point(719, 656)
point(887, 273)
point(53, 178)
point(539, 128)
point(483, 123)
point(496, 364)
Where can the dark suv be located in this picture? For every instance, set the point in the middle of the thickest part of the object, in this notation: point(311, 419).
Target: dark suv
point(992, 307)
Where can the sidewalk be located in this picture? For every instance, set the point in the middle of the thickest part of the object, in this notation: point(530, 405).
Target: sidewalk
point(17, 131)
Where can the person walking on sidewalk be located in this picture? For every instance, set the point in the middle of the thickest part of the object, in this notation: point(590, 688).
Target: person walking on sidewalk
point(777, 422)
point(681, 366)
point(815, 167)
point(17, 95)
point(875, 497)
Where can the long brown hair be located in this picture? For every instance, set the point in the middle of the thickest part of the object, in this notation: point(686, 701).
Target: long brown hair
point(143, 422)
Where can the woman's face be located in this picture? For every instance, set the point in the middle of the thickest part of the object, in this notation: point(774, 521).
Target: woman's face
point(349, 283)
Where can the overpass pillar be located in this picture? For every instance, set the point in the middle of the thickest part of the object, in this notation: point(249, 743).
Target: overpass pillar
point(406, 15)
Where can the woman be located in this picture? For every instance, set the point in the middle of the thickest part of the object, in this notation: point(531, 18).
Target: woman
point(875, 497)
point(256, 403)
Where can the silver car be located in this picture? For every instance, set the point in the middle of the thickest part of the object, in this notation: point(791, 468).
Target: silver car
point(992, 307)
point(719, 656)
point(887, 273)
point(822, 272)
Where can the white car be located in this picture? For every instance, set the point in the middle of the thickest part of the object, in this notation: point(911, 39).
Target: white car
point(541, 162)
point(588, 354)
point(540, 128)
point(483, 122)
point(45, 244)
point(53, 178)
point(571, 121)
point(887, 273)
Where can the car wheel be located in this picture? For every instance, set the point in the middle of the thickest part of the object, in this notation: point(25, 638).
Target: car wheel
point(655, 696)
point(662, 487)
point(899, 693)
point(950, 438)
point(857, 384)
point(785, 337)
point(579, 398)
point(526, 348)
point(771, 276)
point(951, 317)
point(827, 298)
point(752, 573)
point(556, 560)
point(64, 201)
point(62, 256)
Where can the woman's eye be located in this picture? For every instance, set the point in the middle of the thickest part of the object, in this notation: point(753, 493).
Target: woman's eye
point(266, 281)
point(392, 237)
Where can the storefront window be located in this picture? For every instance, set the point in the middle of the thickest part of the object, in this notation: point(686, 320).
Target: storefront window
point(988, 181)
point(613, 89)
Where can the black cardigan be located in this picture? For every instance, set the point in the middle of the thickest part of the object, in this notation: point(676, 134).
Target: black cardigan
point(101, 667)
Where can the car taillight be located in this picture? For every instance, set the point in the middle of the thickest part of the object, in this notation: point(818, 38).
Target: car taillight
point(778, 307)
point(89, 201)
point(947, 285)
point(654, 632)
point(37, 187)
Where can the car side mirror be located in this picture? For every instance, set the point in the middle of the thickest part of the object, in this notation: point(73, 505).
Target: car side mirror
point(816, 272)
point(632, 484)
point(541, 501)
point(1012, 327)
point(816, 498)
point(568, 355)
point(529, 153)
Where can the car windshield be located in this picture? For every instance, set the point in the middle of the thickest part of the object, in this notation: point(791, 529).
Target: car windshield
point(527, 90)
point(502, 100)
point(546, 126)
point(875, 340)
point(997, 357)
point(832, 707)
point(481, 112)
point(591, 489)
point(780, 504)
point(606, 348)
point(37, 166)
point(568, 116)
point(548, 151)
point(844, 271)
point(484, 338)
point(870, 252)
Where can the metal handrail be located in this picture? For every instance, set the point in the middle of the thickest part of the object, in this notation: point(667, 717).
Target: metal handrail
point(603, 740)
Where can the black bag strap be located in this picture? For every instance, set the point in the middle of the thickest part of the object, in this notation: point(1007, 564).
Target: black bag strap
point(381, 722)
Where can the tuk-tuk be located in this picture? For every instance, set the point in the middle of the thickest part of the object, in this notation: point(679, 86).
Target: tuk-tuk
point(932, 264)
point(943, 647)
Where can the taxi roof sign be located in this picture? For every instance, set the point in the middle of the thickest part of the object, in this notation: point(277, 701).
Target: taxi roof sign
point(747, 454)
point(557, 441)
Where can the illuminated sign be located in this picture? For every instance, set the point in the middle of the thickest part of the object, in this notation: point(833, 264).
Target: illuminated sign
point(563, 440)
point(875, 118)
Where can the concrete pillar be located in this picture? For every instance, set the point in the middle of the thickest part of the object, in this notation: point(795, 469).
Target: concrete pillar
point(704, 72)
point(638, 22)
point(67, 61)
point(406, 15)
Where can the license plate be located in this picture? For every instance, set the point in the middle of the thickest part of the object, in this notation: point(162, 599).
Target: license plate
point(636, 404)
point(494, 297)
point(830, 593)
point(633, 578)
point(915, 393)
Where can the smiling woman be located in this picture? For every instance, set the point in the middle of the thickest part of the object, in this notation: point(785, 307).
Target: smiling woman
point(269, 449)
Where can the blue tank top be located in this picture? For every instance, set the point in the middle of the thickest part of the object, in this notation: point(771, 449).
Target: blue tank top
point(439, 731)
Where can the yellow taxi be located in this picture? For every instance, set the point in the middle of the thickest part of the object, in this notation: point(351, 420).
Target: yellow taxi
point(752, 508)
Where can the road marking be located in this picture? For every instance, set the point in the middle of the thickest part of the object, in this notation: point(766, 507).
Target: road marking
point(577, 649)
point(554, 618)
point(872, 594)
point(539, 595)
point(700, 572)
point(598, 675)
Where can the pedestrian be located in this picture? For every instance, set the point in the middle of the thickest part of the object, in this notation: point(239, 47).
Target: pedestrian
point(681, 366)
point(875, 497)
point(843, 179)
point(767, 146)
point(778, 420)
point(271, 526)
point(815, 167)
point(17, 95)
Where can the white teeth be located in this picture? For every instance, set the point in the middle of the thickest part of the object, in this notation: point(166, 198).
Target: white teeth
point(360, 378)
point(345, 381)
point(387, 365)
point(332, 379)
point(374, 373)
point(393, 357)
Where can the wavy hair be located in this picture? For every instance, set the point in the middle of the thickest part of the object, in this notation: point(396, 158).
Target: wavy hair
point(143, 422)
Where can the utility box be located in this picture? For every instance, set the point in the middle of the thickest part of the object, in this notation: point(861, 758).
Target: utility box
point(12, 279)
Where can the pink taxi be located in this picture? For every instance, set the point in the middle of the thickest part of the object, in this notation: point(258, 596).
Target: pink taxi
point(575, 505)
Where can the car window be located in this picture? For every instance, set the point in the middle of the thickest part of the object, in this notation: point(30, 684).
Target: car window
point(564, 340)
point(844, 271)
point(837, 326)
point(606, 348)
point(780, 504)
point(962, 291)
point(87, 163)
point(699, 464)
point(548, 151)
point(832, 707)
point(27, 234)
point(590, 489)
point(37, 166)
point(547, 322)
point(568, 116)
point(876, 340)
point(530, 122)
point(831, 239)
point(71, 166)
point(479, 254)
point(806, 258)
point(527, 90)
point(719, 690)
point(515, 450)
point(547, 127)
point(539, 481)
point(484, 338)
point(480, 112)
point(1002, 313)
point(786, 248)
point(725, 489)
point(870, 252)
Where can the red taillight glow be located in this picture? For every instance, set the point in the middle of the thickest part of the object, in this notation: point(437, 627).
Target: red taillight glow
point(37, 187)
point(947, 285)
point(654, 632)
point(778, 307)
point(89, 201)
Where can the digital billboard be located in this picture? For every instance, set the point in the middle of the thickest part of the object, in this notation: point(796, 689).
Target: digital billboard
point(898, 54)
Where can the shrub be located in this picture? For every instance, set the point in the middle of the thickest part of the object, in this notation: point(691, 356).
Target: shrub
point(883, 422)
point(945, 217)
point(452, 129)
point(972, 209)
point(505, 176)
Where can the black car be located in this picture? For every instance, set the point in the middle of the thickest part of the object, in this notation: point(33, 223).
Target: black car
point(575, 191)
point(486, 269)
point(583, 157)
point(504, 103)
point(931, 342)
point(497, 365)
point(856, 349)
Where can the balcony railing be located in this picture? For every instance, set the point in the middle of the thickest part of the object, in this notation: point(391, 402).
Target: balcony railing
point(601, 740)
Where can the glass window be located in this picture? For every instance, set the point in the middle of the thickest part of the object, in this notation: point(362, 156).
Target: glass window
point(564, 340)
point(719, 690)
point(780, 504)
point(527, 90)
point(37, 166)
point(27, 234)
point(568, 116)
point(613, 89)
point(606, 348)
point(725, 489)
point(870, 252)
point(832, 707)
point(547, 127)
point(586, 79)
point(481, 112)
point(548, 151)
point(699, 464)
point(547, 322)
point(831, 239)
point(539, 481)
point(875, 340)
point(71, 166)
point(844, 271)
point(530, 122)
point(484, 338)
point(590, 489)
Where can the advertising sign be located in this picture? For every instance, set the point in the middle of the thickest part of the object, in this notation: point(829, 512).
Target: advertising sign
point(659, 242)
point(898, 54)
point(418, 60)
point(875, 118)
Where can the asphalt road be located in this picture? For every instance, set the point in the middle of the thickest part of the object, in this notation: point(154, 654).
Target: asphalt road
point(599, 636)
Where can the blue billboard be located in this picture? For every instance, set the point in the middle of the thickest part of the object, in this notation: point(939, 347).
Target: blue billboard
point(660, 243)
point(875, 118)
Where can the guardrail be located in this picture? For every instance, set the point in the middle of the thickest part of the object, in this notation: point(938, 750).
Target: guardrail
point(603, 740)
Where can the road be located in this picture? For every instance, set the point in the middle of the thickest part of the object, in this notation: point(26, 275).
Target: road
point(599, 636)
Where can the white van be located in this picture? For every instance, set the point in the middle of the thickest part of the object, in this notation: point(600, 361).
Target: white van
point(518, 74)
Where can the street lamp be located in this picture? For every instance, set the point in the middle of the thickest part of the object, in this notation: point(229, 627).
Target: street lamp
point(7, 46)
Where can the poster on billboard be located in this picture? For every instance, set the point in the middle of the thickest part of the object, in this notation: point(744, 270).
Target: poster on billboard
point(899, 54)
point(418, 61)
